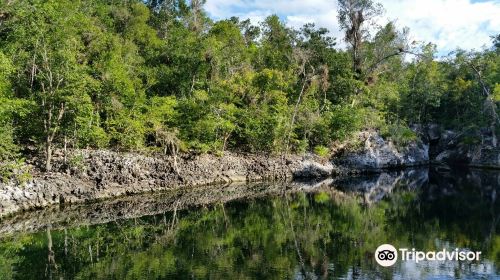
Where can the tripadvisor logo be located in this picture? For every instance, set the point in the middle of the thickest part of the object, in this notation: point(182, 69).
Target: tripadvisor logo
point(387, 255)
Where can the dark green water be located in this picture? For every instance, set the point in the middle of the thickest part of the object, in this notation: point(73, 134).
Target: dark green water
point(322, 232)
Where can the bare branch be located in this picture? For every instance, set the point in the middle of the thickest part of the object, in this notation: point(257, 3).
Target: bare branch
point(374, 66)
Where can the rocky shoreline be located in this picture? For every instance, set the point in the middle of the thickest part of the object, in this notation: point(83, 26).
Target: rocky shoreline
point(367, 189)
point(105, 174)
point(94, 175)
point(128, 207)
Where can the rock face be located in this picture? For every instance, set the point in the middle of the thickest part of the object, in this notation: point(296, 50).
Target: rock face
point(473, 148)
point(471, 155)
point(486, 157)
point(106, 174)
point(378, 154)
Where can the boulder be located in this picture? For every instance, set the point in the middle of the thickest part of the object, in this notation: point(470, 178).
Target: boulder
point(433, 132)
point(473, 147)
point(314, 169)
point(486, 157)
point(378, 154)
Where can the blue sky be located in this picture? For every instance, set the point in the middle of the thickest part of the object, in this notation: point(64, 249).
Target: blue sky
point(450, 24)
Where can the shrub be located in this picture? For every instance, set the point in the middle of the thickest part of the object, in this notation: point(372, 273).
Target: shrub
point(401, 135)
point(126, 132)
point(321, 151)
point(299, 146)
point(344, 121)
point(15, 170)
point(77, 162)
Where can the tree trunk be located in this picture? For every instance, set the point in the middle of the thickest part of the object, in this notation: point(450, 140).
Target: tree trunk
point(48, 154)
point(226, 138)
point(294, 115)
point(65, 150)
point(174, 154)
point(358, 68)
point(51, 127)
point(489, 104)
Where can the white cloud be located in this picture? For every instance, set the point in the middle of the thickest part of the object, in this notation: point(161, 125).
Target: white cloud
point(450, 24)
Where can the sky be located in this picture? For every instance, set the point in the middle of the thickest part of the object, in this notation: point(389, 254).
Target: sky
point(450, 24)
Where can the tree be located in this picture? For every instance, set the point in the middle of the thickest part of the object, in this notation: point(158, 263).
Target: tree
point(353, 16)
point(8, 149)
point(225, 50)
point(479, 63)
point(250, 32)
point(47, 43)
point(496, 42)
point(386, 51)
point(425, 88)
point(276, 50)
point(197, 20)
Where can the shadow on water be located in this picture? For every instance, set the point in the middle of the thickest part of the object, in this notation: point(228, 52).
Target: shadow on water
point(318, 230)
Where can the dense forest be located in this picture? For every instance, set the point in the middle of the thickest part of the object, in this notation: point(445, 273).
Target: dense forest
point(162, 76)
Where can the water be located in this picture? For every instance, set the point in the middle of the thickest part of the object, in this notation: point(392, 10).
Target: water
point(325, 230)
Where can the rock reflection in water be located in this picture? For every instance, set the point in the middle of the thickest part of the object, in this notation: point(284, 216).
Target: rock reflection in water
point(269, 231)
point(150, 204)
point(375, 187)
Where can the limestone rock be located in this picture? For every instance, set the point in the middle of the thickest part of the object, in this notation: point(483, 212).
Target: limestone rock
point(104, 174)
point(378, 154)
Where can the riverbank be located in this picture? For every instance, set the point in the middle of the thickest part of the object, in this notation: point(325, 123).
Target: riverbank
point(91, 175)
point(84, 176)
point(367, 189)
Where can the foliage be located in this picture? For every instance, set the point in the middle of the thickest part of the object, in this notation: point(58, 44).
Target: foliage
point(77, 162)
point(400, 134)
point(161, 75)
point(321, 151)
point(343, 121)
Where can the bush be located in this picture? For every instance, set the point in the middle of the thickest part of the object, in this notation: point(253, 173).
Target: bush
point(77, 162)
point(299, 146)
point(321, 151)
point(400, 134)
point(127, 132)
point(8, 150)
point(15, 170)
point(343, 122)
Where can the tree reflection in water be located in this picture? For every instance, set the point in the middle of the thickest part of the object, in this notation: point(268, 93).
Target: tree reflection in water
point(318, 235)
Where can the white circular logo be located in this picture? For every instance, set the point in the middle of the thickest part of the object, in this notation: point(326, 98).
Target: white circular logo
point(386, 255)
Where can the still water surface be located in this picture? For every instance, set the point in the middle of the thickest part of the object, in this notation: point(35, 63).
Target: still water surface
point(327, 230)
